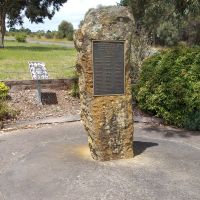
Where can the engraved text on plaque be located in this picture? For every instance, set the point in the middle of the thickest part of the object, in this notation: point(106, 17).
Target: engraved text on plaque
point(108, 67)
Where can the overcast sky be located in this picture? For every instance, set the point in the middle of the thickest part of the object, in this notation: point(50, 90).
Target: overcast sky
point(73, 11)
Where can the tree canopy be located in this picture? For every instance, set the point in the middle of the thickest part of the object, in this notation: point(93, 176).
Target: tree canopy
point(66, 30)
point(181, 18)
point(34, 10)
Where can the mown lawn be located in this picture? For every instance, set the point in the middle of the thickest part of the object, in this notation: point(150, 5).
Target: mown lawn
point(15, 56)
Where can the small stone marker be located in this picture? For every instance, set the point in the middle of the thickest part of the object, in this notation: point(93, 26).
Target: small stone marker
point(38, 72)
point(103, 64)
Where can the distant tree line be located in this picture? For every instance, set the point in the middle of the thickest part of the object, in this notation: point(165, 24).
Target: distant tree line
point(35, 10)
point(65, 30)
point(167, 22)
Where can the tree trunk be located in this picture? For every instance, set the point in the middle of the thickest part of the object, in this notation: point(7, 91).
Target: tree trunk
point(2, 28)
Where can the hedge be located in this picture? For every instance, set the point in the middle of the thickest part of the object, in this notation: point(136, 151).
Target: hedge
point(169, 86)
point(5, 111)
point(3, 90)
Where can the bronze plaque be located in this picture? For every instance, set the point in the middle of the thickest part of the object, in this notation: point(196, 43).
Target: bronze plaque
point(108, 67)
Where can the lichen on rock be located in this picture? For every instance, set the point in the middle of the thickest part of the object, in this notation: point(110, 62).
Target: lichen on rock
point(107, 119)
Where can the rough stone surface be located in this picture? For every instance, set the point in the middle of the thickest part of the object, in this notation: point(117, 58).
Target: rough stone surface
point(107, 119)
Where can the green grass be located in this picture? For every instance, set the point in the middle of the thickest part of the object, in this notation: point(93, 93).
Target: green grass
point(43, 39)
point(15, 56)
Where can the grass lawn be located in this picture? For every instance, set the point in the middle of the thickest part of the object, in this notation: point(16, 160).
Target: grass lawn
point(43, 39)
point(15, 56)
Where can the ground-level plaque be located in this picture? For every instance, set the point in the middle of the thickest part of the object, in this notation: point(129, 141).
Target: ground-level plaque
point(108, 67)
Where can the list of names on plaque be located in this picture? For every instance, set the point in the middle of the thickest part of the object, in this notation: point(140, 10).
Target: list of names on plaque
point(108, 67)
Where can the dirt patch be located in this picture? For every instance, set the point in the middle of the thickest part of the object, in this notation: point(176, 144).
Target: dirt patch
point(56, 103)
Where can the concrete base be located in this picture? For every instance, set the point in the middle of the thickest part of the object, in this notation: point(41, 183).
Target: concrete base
point(54, 163)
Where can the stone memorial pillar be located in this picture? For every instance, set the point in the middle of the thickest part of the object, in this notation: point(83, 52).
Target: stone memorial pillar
point(103, 64)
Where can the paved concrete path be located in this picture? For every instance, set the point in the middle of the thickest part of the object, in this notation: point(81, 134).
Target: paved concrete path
point(68, 44)
point(53, 163)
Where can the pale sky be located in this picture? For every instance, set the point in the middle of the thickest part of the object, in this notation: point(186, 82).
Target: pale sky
point(72, 11)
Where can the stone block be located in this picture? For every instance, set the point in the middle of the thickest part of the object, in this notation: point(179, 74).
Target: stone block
point(107, 119)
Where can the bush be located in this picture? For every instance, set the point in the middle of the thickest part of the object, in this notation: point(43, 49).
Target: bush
point(39, 36)
point(3, 91)
point(49, 35)
point(193, 122)
point(75, 87)
point(66, 30)
point(169, 86)
point(75, 90)
point(70, 36)
point(59, 35)
point(167, 34)
point(5, 111)
point(21, 37)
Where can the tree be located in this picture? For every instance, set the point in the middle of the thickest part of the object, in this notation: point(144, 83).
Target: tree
point(138, 8)
point(151, 14)
point(34, 10)
point(167, 34)
point(25, 30)
point(49, 34)
point(66, 30)
point(12, 29)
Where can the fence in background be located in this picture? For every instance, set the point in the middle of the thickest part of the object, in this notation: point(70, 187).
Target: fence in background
point(62, 84)
point(25, 75)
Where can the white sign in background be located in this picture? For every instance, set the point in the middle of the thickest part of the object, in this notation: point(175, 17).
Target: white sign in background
point(38, 70)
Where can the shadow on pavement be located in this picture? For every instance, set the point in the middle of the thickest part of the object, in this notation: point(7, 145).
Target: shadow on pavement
point(172, 132)
point(139, 147)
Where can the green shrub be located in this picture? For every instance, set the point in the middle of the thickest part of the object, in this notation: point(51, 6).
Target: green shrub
point(3, 90)
point(193, 121)
point(5, 111)
point(169, 86)
point(75, 89)
point(70, 36)
point(49, 35)
point(21, 37)
point(167, 34)
point(39, 36)
point(59, 35)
